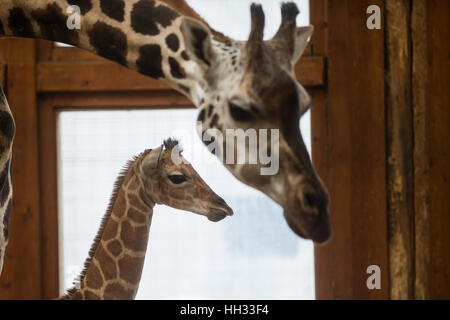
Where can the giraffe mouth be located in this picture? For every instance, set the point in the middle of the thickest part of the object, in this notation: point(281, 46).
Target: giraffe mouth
point(319, 231)
point(216, 215)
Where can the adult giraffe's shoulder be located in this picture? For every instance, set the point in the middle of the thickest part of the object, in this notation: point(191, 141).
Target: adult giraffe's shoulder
point(114, 266)
point(7, 130)
point(234, 84)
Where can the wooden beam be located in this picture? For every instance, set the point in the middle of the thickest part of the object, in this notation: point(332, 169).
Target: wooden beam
point(319, 141)
point(319, 16)
point(123, 99)
point(107, 76)
point(48, 177)
point(400, 183)
point(3, 75)
point(356, 163)
point(419, 38)
point(437, 117)
point(91, 76)
point(310, 71)
point(71, 54)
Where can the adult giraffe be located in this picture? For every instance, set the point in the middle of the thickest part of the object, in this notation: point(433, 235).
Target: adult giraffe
point(235, 85)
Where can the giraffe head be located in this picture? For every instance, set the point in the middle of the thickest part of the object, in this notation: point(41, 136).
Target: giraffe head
point(249, 89)
point(170, 179)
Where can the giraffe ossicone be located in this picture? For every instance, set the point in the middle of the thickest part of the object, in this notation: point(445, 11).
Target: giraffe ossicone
point(114, 266)
point(234, 84)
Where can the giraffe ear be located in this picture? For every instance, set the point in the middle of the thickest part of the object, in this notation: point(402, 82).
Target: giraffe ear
point(151, 161)
point(198, 41)
point(302, 38)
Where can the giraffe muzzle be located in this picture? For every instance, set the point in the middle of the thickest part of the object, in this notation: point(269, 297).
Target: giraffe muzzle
point(308, 214)
point(317, 229)
point(220, 210)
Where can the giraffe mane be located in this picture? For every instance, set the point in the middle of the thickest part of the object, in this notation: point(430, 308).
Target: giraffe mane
point(117, 185)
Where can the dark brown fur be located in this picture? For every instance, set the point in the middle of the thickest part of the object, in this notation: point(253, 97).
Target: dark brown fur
point(19, 23)
point(85, 5)
point(115, 9)
point(173, 43)
point(175, 69)
point(146, 16)
point(109, 42)
point(150, 61)
point(52, 24)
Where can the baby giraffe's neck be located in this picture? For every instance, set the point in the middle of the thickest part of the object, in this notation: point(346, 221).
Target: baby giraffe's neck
point(114, 267)
point(143, 35)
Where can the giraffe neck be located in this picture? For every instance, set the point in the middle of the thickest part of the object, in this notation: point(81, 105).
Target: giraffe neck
point(143, 35)
point(114, 267)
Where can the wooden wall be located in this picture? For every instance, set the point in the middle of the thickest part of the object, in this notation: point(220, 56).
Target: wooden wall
point(387, 153)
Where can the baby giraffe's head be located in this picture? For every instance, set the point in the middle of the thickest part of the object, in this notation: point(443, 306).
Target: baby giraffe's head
point(169, 179)
point(250, 104)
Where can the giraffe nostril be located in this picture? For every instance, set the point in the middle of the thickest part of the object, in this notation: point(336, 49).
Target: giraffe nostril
point(310, 199)
point(220, 201)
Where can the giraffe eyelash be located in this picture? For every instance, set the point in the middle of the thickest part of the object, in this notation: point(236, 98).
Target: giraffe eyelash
point(177, 178)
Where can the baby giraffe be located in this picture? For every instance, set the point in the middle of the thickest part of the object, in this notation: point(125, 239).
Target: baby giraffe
point(160, 176)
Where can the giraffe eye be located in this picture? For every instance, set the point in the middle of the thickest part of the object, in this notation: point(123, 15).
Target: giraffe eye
point(177, 178)
point(238, 113)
